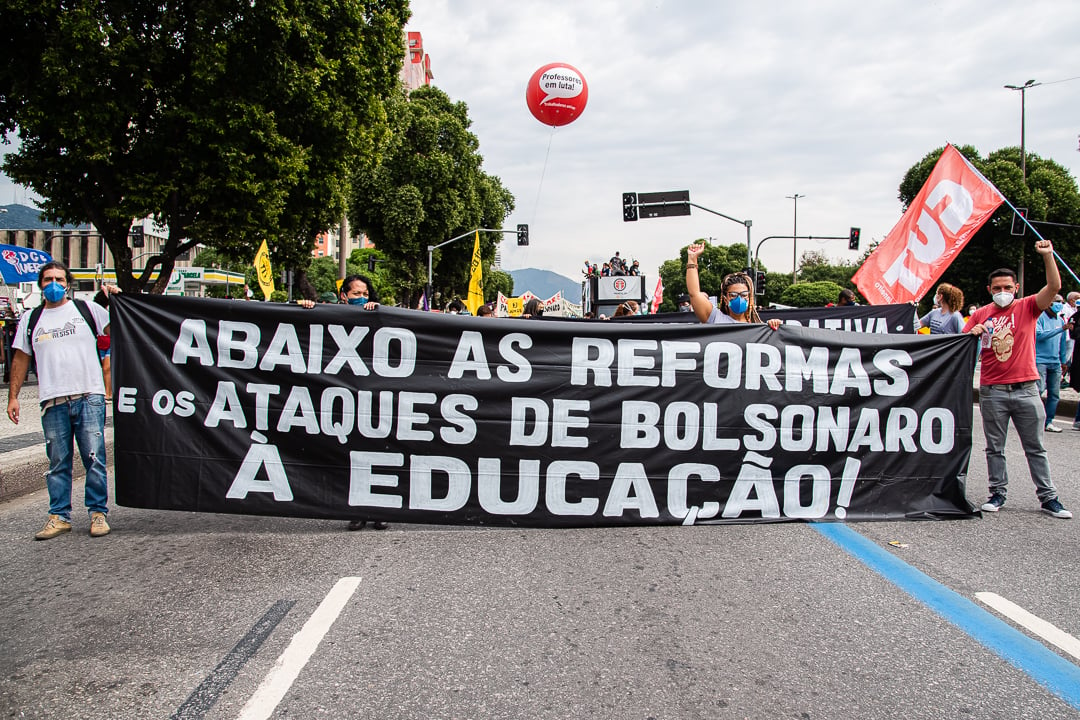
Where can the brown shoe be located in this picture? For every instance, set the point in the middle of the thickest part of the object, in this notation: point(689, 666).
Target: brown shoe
point(98, 526)
point(54, 526)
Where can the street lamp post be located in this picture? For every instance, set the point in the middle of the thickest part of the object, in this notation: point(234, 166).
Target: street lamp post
point(1023, 152)
point(432, 248)
point(1023, 99)
point(795, 238)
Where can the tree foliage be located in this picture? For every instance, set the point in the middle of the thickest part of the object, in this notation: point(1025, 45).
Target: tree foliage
point(815, 267)
point(811, 294)
point(231, 122)
point(1050, 195)
point(495, 282)
point(428, 188)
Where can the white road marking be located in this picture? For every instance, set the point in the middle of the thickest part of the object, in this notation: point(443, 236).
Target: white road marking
point(277, 682)
point(1047, 631)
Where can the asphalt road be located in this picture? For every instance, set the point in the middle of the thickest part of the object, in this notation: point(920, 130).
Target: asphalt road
point(184, 615)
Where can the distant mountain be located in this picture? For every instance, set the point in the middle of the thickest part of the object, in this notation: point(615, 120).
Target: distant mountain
point(545, 283)
point(24, 217)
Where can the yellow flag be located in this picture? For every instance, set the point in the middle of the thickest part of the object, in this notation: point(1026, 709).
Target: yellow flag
point(264, 271)
point(476, 296)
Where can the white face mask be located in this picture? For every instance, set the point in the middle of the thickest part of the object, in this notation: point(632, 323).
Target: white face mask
point(1003, 299)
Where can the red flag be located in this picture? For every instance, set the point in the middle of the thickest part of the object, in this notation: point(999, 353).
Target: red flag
point(953, 204)
point(657, 296)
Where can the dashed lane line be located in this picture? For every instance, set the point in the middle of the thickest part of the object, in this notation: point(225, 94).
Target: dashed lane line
point(1047, 631)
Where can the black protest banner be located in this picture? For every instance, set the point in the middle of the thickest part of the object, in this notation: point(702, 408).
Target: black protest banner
point(899, 319)
point(257, 408)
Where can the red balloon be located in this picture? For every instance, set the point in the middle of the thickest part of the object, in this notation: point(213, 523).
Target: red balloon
point(557, 94)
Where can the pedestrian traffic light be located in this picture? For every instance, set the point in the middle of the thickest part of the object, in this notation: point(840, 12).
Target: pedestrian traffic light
point(523, 234)
point(853, 239)
point(371, 263)
point(1019, 227)
point(629, 207)
point(759, 282)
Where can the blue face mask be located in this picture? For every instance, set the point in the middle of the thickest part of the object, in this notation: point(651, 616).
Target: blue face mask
point(1057, 307)
point(54, 292)
point(358, 301)
point(738, 305)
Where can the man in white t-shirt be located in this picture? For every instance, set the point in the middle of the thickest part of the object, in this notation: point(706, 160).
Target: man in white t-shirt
point(71, 391)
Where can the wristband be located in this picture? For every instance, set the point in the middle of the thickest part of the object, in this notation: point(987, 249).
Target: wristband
point(691, 267)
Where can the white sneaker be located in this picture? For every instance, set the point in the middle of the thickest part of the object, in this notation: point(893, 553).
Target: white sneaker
point(1053, 428)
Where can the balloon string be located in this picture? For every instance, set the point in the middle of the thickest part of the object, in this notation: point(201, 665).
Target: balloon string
point(543, 172)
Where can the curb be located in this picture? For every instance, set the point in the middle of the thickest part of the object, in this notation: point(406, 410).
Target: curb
point(24, 470)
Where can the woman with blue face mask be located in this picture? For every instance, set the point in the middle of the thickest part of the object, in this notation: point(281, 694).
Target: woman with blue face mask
point(736, 295)
point(357, 290)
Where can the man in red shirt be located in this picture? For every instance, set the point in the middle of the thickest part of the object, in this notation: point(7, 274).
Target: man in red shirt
point(1007, 388)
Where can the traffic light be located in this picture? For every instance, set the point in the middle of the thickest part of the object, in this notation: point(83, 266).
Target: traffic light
point(523, 234)
point(137, 236)
point(629, 207)
point(759, 283)
point(1019, 227)
point(853, 239)
point(371, 263)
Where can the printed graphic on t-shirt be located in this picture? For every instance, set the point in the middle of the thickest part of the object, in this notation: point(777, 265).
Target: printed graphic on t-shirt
point(45, 334)
point(1001, 336)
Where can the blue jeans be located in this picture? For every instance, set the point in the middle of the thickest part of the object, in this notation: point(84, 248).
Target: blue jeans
point(1050, 383)
point(81, 421)
point(1020, 403)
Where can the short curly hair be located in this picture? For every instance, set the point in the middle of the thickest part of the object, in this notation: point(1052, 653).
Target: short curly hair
point(951, 296)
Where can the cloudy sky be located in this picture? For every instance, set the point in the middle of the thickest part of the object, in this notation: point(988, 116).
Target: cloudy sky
point(743, 104)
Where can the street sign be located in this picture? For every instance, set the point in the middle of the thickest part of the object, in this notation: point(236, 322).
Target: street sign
point(664, 204)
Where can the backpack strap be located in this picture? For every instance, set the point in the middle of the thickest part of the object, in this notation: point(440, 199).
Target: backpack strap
point(35, 315)
point(88, 316)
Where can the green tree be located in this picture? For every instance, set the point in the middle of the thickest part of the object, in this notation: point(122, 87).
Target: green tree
point(814, 266)
point(229, 122)
point(322, 273)
point(429, 187)
point(1050, 194)
point(495, 282)
point(811, 294)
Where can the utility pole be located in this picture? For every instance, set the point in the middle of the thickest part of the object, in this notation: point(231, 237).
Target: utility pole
point(795, 238)
point(343, 245)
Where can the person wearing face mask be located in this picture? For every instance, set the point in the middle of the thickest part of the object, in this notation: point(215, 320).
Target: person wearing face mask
point(1051, 357)
point(357, 291)
point(62, 336)
point(736, 295)
point(944, 318)
point(683, 302)
point(1007, 387)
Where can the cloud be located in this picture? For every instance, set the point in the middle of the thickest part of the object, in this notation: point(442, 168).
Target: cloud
point(744, 104)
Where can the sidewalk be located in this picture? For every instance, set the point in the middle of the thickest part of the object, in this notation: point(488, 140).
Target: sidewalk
point(23, 463)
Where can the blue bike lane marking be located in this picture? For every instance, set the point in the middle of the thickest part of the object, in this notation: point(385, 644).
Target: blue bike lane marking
point(1047, 668)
